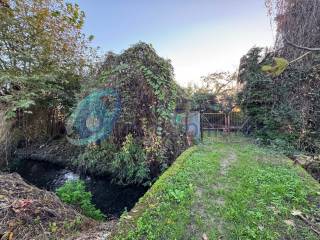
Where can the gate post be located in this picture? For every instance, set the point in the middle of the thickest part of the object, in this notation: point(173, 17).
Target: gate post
point(225, 123)
point(201, 130)
point(186, 126)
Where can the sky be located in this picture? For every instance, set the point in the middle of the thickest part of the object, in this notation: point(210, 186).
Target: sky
point(198, 36)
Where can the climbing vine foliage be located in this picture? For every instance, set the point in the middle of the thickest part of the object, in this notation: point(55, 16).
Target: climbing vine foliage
point(148, 93)
point(283, 103)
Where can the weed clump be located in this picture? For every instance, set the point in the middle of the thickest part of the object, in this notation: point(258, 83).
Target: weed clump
point(74, 193)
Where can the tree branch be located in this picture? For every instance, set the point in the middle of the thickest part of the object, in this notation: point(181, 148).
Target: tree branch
point(301, 47)
point(299, 58)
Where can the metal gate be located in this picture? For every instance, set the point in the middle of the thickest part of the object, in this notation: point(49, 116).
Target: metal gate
point(226, 122)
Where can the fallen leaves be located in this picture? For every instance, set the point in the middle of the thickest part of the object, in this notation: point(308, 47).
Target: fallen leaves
point(26, 211)
point(21, 205)
point(7, 236)
point(205, 237)
point(10, 236)
point(298, 213)
point(289, 223)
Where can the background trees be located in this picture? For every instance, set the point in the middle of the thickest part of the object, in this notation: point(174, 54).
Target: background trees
point(40, 36)
point(217, 93)
point(43, 57)
point(43, 52)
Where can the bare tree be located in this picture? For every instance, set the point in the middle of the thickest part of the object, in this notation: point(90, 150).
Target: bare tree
point(298, 28)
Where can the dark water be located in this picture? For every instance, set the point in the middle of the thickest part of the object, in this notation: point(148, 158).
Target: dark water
point(110, 198)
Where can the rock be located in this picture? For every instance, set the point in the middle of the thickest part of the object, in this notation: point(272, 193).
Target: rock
point(303, 160)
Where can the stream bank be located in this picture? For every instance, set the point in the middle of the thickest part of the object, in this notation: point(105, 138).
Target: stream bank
point(112, 199)
point(27, 212)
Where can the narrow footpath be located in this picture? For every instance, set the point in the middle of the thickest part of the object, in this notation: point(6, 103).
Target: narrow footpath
point(227, 190)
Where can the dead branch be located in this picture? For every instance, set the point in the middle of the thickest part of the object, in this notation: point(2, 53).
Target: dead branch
point(301, 47)
point(301, 57)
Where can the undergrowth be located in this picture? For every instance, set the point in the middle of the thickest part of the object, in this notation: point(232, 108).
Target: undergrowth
point(126, 165)
point(74, 193)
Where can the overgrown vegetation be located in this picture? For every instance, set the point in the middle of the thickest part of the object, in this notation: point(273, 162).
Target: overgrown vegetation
point(46, 64)
point(214, 189)
point(145, 140)
point(129, 165)
point(126, 164)
point(281, 87)
point(96, 160)
point(43, 53)
point(284, 107)
point(74, 193)
point(44, 57)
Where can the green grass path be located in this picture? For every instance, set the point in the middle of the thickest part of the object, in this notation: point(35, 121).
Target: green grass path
point(227, 190)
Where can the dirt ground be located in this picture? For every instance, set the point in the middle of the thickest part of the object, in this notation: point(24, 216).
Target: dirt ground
point(28, 213)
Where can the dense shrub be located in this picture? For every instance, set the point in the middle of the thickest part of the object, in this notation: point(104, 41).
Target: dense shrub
point(143, 134)
point(129, 164)
point(40, 73)
point(74, 193)
point(281, 87)
point(96, 159)
point(283, 109)
point(41, 70)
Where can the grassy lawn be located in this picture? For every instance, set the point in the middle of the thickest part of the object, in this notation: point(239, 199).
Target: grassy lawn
point(227, 190)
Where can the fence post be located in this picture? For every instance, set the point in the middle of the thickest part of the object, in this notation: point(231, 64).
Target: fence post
point(201, 130)
point(186, 126)
point(225, 123)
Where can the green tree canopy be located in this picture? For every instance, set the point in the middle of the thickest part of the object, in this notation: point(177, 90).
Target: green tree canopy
point(43, 52)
